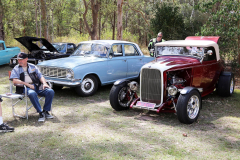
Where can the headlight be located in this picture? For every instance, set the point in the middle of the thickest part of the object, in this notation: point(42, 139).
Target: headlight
point(69, 74)
point(172, 90)
point(133, 85)
point(14, 61)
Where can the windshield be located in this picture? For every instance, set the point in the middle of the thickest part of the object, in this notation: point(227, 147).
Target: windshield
point(59, 47)
point(187, 51)
point(91, 49)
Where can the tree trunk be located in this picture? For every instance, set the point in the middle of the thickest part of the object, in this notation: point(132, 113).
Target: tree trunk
point(36, 16)
point(99, 26)
point(238, 51)
point(44, 17)
point(95, 6)
point(1, 23)
point(119, 19)
point(114, 25)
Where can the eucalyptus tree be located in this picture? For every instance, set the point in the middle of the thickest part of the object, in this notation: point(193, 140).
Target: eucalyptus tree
point(224, 22)
point(1, 21)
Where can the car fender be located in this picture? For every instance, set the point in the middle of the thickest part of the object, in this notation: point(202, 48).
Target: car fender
point(121, 81)
point(188, 89)
point(224, 73)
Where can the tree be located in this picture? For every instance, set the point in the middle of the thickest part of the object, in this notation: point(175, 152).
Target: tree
point(44, 18)
point(119, 19)
point(223, 22)
point(1, 21)
point(95, 6)
point(168, 20)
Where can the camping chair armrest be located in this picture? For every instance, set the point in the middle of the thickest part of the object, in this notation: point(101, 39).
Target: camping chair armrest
point(18, 85)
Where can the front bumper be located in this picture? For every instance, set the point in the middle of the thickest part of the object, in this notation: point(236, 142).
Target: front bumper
point(64, 83)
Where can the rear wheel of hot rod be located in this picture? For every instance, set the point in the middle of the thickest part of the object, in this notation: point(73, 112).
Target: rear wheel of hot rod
point(225, 85)
point(188, 107)
point(119, 97)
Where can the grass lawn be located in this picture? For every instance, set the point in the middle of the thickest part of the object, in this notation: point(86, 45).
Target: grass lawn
point(88, 128)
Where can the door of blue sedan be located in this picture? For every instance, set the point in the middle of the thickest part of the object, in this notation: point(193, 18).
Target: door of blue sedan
point(134, 60)
point(117, 63)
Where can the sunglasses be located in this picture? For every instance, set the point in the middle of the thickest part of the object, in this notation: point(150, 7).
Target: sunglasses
point(159, 36)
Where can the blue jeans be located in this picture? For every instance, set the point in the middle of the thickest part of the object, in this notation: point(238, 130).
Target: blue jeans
point(33, 96)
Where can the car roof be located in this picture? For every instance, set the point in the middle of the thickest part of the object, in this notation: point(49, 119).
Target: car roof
point(192, 43)
point(107, 41)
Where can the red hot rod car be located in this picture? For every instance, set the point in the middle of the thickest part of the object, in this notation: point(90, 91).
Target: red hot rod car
point(183, 72)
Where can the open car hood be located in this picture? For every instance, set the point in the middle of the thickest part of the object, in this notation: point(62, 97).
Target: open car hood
point(29, 43)
point(210, 38)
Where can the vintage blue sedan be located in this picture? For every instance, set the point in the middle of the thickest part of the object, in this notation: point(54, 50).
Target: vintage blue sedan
point(95, 63)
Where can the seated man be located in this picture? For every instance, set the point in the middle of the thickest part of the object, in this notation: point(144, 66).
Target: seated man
point(29, 75)
point(3, 126)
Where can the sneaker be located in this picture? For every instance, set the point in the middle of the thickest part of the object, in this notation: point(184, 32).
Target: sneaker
point(41, 117)
point(5, 128)
point(47, 115)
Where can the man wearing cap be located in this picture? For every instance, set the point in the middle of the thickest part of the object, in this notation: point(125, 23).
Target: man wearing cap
point(29, 75)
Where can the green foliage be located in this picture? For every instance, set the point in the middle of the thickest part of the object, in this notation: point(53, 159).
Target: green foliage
point(223, 22)
point(168, 20)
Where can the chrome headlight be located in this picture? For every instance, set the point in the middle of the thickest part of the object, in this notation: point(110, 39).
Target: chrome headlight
point(69, 74)
point(172, 90)
point(133, 85)
point(14, 61)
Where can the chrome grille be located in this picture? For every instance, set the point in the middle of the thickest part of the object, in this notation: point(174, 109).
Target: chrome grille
point(151, 85)
point(54, 72)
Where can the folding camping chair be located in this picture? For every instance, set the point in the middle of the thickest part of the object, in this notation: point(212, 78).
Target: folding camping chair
point(15, 98)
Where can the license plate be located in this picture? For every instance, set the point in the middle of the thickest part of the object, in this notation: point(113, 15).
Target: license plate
point(145, 104)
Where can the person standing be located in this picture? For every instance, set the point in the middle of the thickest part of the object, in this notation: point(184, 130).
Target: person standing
point(153, 41)
point(3, 126)
point(29, 75)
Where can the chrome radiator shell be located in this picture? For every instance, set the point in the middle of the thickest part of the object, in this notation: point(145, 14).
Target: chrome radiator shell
point(151, 86)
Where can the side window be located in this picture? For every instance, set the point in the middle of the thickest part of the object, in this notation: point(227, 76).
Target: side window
point(70, 47)
point(210, 57)
point(116, 51)
point(130, 50)
point(1, 46)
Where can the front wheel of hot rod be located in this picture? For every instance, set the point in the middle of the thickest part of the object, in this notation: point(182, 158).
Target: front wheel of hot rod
point(225, 85)
point(188, 107)
point(119, 97)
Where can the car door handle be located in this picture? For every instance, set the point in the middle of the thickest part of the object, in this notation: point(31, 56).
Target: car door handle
point(140, 59)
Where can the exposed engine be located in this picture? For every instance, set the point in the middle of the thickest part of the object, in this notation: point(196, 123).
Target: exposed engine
point(39, 54)
point(172, 79)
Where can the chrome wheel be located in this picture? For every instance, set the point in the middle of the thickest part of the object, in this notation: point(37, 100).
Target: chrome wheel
point(87, 85)
point(122, 98)
point(193, 107)
point(231, 86)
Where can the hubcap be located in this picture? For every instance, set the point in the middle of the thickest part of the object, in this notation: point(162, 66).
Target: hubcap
point(232, 86)
point(122, 99)
point(193, 107)
point(87, 85)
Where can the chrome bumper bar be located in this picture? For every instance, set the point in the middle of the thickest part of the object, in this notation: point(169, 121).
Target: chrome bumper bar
point(150, 109)
point(72, 84)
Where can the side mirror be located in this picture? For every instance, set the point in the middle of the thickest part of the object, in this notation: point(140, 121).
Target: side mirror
point(209, 52)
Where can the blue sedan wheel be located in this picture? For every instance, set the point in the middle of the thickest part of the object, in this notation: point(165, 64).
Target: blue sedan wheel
point(88, 86)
